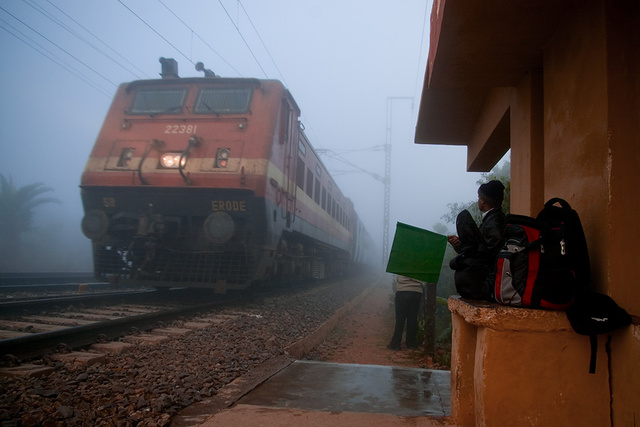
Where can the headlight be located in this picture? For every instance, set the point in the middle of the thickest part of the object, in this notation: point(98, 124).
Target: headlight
point(219, 227)
point(95, 224)
point(171, 160)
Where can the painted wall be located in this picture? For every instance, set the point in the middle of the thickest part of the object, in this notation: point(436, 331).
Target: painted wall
point(575, 134)
point(591, 84)
point(574, 131)
point(575, 128)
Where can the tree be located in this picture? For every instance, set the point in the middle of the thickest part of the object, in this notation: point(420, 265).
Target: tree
point(440, 228)
point(17, 207)
point(501, 173)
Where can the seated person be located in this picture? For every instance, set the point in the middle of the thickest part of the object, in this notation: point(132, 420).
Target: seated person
point(478, 247)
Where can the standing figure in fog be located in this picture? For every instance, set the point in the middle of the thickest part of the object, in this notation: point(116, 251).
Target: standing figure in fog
point(407, 302)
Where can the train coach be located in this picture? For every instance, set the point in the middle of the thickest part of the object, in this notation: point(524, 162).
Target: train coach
point(211, 182)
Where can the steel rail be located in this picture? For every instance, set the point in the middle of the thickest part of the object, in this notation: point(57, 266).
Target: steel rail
point(39, 344)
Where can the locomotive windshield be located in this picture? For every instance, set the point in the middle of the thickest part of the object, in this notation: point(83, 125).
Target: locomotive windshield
point(158, 101)
point(223, 100)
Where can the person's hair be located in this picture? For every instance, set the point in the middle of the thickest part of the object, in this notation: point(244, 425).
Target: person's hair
point(492, 193)
point(494, 203)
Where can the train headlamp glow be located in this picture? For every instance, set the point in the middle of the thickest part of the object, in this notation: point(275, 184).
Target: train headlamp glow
point(219, 227)
point(171, 160)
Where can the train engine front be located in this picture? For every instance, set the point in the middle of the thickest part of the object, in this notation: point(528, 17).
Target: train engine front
point(176, 188)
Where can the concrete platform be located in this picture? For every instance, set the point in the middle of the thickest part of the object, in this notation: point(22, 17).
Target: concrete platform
point(335, 387)
point(321, 391)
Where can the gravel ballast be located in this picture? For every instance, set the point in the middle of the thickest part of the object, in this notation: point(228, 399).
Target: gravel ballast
point(148, 384)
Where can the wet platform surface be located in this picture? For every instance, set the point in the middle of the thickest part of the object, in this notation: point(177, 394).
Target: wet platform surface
point(334, 387)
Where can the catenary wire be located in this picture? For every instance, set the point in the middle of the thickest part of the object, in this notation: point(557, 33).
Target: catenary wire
point(307, 121)
point(263, 44)
point(422, 38)
point(200, 38)
point(101, 41)
point(155, 31)
point(50, 56)
point(56, 45)
point(53, 19)
point(242, 37)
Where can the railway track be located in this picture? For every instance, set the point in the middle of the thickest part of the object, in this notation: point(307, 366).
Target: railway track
point(150, 381)
point(32, 328)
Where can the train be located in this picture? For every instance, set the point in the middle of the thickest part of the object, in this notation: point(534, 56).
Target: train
point(211, 182)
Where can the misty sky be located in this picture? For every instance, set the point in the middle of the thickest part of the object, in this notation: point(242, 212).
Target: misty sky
point(344, 61)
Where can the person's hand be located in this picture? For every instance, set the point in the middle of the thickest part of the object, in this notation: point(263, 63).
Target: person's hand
point(453, 240)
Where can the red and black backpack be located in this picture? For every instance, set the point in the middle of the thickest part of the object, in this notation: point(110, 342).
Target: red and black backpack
point(544, 262)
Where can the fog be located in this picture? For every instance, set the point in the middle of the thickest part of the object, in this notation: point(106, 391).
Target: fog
point(355, 69)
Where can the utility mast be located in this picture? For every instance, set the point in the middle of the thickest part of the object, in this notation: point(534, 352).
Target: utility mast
point(387, 178)
point(387, 188)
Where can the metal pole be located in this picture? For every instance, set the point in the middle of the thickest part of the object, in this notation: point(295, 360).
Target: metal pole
point(387, 178)
point(387, 187)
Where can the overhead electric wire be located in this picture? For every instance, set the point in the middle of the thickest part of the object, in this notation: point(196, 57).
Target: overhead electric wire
point(56, 45)
point(44, 52)
point(201, 39)
point(101, 41)
point(263, 44)
point(242, 37)
point(422, 37)
point(332, 154)
point(311, 131)
point(56, 21)
point(155, 31)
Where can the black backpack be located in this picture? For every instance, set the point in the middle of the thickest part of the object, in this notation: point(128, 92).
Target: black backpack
point(544, 262)
point(593, 314)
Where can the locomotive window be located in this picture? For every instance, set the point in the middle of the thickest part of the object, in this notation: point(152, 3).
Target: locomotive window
point(158, 101)
point(223, 100)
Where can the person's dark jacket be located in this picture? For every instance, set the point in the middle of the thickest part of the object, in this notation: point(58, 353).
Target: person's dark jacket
point(492, 230)
point(476, 262)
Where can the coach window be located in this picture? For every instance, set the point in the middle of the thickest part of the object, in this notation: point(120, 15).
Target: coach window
point(324, 198)
point(316, 193)
point(158, 101)
point(300, 173)
point(309, 188)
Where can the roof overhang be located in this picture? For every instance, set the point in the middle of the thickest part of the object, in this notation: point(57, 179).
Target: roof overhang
point(476, 49)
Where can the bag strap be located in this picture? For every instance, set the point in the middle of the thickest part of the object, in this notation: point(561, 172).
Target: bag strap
point(555, 200)
point(594, 352)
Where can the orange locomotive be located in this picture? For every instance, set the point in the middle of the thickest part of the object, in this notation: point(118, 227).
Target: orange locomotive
point(211, 182)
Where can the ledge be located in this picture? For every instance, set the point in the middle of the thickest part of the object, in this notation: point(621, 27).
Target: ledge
point(503, 318)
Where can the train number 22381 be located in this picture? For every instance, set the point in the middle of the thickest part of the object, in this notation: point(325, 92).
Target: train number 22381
point(180, 129)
